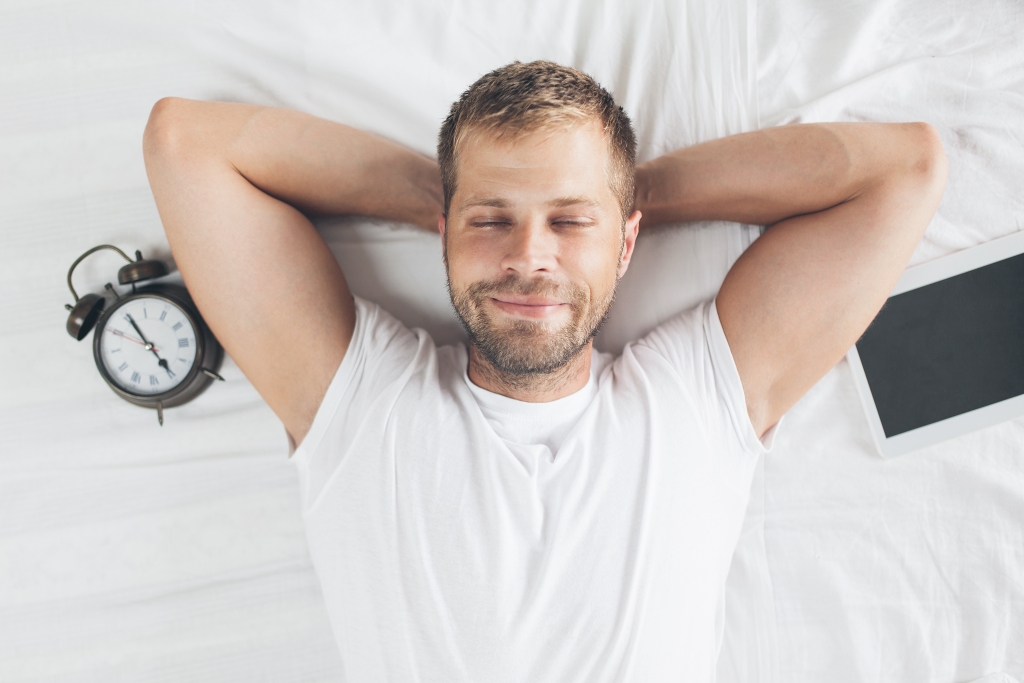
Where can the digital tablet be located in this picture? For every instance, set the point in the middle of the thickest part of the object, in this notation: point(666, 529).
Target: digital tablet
point(945, 355)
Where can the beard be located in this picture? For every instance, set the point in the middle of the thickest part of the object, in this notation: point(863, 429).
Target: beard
point(521, 347)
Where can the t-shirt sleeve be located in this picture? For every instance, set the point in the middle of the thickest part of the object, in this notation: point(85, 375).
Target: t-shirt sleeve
point(694, 344)
point(379, 358)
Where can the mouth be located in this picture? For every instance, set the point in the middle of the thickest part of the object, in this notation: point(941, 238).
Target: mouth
point(528, 306)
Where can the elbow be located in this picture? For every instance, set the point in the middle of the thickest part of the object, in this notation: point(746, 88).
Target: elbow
point(929, 166)
point(167, 131)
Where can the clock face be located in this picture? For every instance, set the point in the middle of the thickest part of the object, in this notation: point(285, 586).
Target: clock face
point(147, 345)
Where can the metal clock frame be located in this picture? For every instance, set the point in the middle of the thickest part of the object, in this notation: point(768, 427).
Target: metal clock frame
point(209, 353)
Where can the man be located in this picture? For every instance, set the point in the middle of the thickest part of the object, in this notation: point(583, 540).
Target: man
point(527, 509)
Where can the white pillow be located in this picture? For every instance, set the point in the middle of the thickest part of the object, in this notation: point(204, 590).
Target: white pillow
point(683, 71)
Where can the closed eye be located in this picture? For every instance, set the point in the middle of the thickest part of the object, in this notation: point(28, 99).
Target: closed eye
point(485, 223)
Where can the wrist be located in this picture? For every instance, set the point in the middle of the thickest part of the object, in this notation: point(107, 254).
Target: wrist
point(429, 195)
point(662, 192)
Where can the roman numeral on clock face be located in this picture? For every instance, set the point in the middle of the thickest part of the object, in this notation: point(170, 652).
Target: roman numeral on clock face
point(122, 367)
point(176, 326)
point(153, 381)
point(182, 343)
point(136, 377)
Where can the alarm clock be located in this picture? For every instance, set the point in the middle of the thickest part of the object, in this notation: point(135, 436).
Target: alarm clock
point(152, 346)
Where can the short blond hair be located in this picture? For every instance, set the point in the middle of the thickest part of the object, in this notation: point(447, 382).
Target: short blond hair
point(522, 98)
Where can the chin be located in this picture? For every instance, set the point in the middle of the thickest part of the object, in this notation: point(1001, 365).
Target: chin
point(528, 347)
point(519, 345)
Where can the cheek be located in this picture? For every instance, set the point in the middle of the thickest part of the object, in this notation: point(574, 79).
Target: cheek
point(595, 263)
point(470, 261)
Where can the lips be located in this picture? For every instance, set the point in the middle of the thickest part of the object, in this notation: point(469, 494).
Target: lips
point(528, 306)
point(527, 300)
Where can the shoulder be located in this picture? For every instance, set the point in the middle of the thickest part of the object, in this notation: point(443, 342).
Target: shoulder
point(679, 341)
point(374, 324)
point(689, 353)
point(381, 355)
point(383, 344)
point(388, 357)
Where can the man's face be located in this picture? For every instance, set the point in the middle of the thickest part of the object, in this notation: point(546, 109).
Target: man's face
point(534, 245)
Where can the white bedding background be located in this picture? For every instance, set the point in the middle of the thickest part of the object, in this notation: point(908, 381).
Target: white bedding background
point(909, 569)
point(139, 553)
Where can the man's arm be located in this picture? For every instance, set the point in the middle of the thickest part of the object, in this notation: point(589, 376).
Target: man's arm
point(227, 179)
point(847, 204)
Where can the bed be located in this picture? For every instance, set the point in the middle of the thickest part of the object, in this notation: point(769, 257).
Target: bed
point(130, 551)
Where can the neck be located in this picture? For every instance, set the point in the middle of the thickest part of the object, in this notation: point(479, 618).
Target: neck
point(534, 388)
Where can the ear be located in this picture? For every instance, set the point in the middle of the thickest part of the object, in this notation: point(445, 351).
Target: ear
point(632, 229)
point(441, 225)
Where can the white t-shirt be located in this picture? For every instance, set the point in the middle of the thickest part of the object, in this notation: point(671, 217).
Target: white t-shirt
point(460, 535)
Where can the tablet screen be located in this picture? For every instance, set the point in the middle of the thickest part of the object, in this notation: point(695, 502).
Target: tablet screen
point(947, 348)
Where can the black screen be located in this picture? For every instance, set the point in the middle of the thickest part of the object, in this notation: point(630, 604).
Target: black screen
point(947, 348)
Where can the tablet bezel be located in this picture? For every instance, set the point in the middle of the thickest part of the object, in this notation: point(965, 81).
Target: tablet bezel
point(913, 278)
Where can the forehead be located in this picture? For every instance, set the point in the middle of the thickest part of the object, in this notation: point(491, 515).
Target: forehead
point(567, 161)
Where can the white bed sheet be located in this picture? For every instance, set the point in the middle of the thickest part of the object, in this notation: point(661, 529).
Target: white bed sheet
point(910, 569)
point(130, 552)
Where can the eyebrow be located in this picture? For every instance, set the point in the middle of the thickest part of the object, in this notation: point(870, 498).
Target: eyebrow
point(559, 203)
point(495, 202)
point(563, 202)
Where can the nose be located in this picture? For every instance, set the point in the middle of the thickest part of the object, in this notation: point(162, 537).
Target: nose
point(531, 248)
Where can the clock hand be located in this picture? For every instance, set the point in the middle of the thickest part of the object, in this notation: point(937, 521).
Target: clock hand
point(130, 338)
point(148, 345)
point(165, 366)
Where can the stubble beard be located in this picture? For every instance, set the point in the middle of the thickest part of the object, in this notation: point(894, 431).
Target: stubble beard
point(522, 351)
